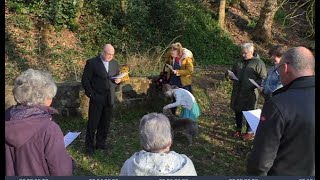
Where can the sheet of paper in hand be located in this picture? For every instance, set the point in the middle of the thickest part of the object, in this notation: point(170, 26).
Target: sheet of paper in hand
point(169, 66)
point(120, 76)
point(70, 137)
point(253, 118)
point(254, 83)
point(233, 76)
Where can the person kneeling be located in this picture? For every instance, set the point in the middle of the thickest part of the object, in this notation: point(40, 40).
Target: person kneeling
point(185, 99)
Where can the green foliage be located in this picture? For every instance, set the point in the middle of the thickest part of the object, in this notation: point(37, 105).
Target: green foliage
point(149, 23)
point(60, 13)
point(252, 22)
point(280, 16)
point(144, 28)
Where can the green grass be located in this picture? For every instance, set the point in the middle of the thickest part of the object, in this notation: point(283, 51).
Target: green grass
point(214, 152)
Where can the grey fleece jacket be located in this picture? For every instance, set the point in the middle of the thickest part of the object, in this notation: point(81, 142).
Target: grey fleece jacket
point(145, 163)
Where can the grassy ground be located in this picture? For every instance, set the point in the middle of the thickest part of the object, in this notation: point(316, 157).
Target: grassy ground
point(214, 151)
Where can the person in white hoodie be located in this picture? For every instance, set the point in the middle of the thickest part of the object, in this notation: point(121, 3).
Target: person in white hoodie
point(156, 159)
point(183, 98)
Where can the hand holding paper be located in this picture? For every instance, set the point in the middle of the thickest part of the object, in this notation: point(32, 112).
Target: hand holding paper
point(70, 137)
point(253, 118)
point(169, 66)
point(232, 75)
point(255, 84)
point(120, 76)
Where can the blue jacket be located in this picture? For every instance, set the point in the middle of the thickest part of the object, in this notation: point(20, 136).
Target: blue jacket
point(271, 82)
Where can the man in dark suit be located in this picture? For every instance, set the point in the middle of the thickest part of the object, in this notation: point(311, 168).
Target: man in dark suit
point(99, 85)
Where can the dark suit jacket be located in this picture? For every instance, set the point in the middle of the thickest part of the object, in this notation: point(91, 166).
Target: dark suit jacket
point(97, 82)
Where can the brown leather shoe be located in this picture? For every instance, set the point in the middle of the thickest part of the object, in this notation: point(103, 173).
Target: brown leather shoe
point(236, 134)
point(248, 136)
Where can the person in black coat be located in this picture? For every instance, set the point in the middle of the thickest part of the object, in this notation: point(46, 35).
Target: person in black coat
point(285, 139)
point(99, 85)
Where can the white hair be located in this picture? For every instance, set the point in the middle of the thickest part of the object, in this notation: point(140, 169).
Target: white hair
point(34, 87)
point(247, 47)
point(155, 132)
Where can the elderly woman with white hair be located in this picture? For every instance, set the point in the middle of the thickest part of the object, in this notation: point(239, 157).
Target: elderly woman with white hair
point(156, 159)
point(34, 143)
point(244, 94)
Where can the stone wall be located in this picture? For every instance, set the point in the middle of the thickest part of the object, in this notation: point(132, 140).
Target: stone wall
point(72, 101)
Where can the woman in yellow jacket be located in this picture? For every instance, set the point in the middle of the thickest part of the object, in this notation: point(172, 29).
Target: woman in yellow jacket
point(181, 66)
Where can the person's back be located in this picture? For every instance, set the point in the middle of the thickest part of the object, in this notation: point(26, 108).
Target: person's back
point(296, 155)
point(184, 97)
point(285, 137)
point(31, 137)
point(145, 163)
point(156, 159)
point(34, 144)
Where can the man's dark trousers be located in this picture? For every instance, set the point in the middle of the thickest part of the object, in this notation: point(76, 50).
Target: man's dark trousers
point(100, 116)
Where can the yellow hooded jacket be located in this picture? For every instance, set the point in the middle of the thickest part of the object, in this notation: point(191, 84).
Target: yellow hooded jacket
point(186, 70)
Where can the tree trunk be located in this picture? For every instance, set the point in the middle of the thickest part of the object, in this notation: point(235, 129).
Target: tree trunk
point(262, 31)
point(222, 13)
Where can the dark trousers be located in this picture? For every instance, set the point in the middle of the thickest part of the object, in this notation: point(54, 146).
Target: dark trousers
point(99, 120)
point(188, 88)
point(239, 120)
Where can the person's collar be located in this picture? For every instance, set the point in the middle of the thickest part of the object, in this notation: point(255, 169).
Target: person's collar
point(103, 59)
point(300, 82)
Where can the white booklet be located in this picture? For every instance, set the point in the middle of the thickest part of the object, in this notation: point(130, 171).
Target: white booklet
point(120, 76)
point(70, 137)
point(254, 83)
point(233, 76)
point(169, 66)
point(253, 118)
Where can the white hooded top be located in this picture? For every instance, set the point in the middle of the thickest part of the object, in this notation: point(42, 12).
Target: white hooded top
point(183, 98)
point(145, 163)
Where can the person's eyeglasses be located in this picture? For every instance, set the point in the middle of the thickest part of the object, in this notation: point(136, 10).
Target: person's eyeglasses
point(277, 68)
point(105, 52)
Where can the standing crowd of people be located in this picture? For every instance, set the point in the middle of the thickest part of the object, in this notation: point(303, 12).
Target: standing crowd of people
point(34, 143)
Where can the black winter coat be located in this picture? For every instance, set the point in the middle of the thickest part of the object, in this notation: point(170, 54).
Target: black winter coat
point(97, 82)
point(285, 139)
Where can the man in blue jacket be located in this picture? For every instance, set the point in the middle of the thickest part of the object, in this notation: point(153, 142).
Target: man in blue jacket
point(285, 138)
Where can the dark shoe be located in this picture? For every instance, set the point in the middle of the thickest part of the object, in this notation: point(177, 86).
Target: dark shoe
point(90, 151)
point(248, 136)
point(236, 134)
point(103, 147)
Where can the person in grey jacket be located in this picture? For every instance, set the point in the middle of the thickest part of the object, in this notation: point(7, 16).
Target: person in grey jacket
point(285, 138)
point(156, 159)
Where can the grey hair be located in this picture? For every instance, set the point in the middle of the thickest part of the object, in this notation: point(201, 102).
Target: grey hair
point(248, 47)
point(34, 87)
point(155, 132)
point(299, 59)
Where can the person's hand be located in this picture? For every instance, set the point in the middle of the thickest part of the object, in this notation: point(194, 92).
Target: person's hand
point(174, 71)
point(260, 89)
point(117, 81)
